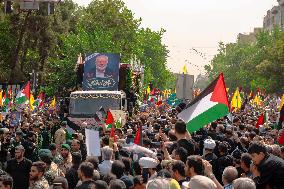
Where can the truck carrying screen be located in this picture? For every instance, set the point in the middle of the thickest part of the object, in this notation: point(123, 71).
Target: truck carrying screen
point(88, 103)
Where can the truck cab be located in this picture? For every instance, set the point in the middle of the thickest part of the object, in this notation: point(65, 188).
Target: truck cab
point(87, 103)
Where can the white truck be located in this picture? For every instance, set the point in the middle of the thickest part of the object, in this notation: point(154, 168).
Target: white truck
point(85, 104)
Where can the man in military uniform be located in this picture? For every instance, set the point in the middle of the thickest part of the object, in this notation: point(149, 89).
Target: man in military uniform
point(60, 135)
point(37, 180)
point(65, 159)
point(52, 170)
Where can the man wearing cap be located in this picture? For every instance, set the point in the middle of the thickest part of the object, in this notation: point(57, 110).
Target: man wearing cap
point(19, 168)
point(60, 135)
point(66, 158)
point(52, 170)
point(149, 168)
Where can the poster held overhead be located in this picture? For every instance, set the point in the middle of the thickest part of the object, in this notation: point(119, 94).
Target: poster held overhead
point(93, 142)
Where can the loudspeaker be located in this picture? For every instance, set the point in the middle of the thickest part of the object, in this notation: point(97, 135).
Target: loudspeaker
point(184, 86)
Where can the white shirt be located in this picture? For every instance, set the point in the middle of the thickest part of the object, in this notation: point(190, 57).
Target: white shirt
point(105, 167)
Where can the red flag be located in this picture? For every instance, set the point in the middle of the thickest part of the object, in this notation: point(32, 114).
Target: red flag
point(10, 93)
point(137, 137)
point(159, 103)
point(153, 92)
point(109, 119)
point(112, 134)
point(260, 121)
point(281, 139)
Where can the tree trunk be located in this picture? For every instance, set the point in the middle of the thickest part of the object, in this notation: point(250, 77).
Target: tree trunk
point(15, 59)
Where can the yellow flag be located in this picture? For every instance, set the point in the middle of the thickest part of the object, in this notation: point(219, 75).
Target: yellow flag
point(1, 96)
point(281, 103)
point(32, 100)
point(53, 103)
point(148, 90)
point(184, 69)
point(257, 100)
point(236, 100)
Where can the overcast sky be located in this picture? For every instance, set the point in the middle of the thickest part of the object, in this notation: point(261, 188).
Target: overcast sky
point(198, 24)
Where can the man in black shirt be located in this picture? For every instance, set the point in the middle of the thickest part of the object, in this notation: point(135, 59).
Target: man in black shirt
point(72, 175)
point(85, 173)
point(19, 169)
point(268, 170)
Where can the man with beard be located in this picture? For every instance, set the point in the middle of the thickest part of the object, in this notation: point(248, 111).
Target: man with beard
point(19, 169)
point(66, 158)
point(37, 179)
point(77, 146)
point(85, 173)
point(102, 69)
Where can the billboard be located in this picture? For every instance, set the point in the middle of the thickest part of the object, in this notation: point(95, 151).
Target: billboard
point(101, 72)
point(184, 86)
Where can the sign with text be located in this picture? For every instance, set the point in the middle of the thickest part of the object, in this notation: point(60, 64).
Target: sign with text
point(101, 72)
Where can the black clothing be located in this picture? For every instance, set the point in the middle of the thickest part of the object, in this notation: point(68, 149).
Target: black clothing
point(212, 158)
point(181, 181)
point(221, 163)
point(20, 172)
point(271, 173)
point(186, 144)
point(72, 177)
point(29, 150)
point(86, 185)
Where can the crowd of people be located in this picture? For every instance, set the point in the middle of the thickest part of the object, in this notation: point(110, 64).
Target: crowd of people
point(37, 152)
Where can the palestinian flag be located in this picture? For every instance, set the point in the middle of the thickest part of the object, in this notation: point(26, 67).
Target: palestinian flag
point(39, 101)
point(209, 106)
point(109, 120)
point(24, 94)
point(5, 99)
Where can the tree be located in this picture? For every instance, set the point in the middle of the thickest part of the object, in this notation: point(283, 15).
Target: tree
point(252, 65)
point(109, 27)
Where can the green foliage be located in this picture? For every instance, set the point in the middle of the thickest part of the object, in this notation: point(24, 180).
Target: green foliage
point(252, 65)
point(109, 27)
point(50, 44)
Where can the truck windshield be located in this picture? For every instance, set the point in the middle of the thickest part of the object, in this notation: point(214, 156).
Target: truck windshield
point(89, 106)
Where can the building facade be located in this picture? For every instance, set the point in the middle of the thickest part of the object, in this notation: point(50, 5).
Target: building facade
point(274, 17)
